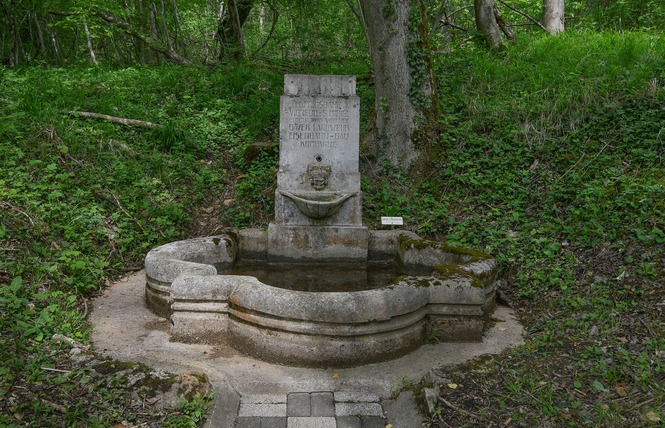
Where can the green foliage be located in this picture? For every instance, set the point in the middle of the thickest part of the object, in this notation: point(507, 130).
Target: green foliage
point(192, 412)
point(255, 188)
point(325, 33)
point(82, 199)
point(418, 58)
point(551, 159)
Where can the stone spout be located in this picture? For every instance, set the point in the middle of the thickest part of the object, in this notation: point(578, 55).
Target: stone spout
point(317, 205)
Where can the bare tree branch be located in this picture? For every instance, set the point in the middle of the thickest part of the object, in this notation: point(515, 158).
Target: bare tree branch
point(510, 34)
point(275, 17)
point(524, 14)
point(149, 41)
point(455, 26)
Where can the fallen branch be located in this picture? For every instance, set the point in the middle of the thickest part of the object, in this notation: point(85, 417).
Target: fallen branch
point(122, 120)
point(7, 204)
point(117, 203)
point(57, 407)
point(457, 409)
point(56, 370)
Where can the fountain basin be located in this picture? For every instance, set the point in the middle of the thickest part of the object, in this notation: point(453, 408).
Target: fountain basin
point(319, 204)
point(444, 292)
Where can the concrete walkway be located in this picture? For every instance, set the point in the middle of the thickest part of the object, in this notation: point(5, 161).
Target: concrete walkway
point(257, 394)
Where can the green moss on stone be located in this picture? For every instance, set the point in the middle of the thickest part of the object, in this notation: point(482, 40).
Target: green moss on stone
point(111, 367)
point(421, 244)
point(454, 271)
point(154, 385)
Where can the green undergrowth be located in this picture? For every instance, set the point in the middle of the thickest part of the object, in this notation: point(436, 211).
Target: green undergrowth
point(83, 200)
point(552, 159)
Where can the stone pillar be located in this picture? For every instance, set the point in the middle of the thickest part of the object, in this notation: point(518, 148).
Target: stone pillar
point(318, 202)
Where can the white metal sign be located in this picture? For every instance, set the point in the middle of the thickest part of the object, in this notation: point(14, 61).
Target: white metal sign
point(392, 221)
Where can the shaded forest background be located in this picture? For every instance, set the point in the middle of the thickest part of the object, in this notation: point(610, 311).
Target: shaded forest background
point(548, 154)
point(287, 32)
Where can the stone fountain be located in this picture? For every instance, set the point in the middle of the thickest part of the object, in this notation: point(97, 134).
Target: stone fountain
point(318, 288)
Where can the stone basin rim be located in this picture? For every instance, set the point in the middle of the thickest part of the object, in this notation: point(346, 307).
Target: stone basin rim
point(305, 328)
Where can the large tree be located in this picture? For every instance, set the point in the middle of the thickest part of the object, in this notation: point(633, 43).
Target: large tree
point(405, 104)
point(553, 17)
point(486, 22)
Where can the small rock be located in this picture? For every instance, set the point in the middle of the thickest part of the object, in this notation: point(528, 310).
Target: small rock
point(134, 378)
point(436, 378)
point(599, 279)
point(431, 398)
point(79, 357)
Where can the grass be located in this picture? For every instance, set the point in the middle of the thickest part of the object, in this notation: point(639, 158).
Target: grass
point(550, 158)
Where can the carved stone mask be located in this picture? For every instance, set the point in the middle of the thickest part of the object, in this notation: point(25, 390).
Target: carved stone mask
point(318, 176)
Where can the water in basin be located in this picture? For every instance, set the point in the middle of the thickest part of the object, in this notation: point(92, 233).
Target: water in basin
point(318, 277)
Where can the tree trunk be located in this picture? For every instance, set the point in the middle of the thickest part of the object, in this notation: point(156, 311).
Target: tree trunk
point(231, 19)
point(93, 57)
point(165, 26)
point(486, 22)
point(553, 16)
point(402, 94)
point(40, 34)
point(13, 34)
point(501, 21)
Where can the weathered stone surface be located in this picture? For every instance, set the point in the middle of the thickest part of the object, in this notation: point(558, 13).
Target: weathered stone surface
point(298, 404)
point(262, 410)
point(351, 409)
point(314, 85)
point(322, 404)
point(306, 328)
point(319, 125)
point(303, 244)
point(318, 183)
point(301, 422)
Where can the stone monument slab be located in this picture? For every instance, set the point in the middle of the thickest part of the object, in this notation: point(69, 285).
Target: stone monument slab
point(318, 197)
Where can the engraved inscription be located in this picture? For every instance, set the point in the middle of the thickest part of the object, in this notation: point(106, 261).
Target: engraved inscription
point(317, 123)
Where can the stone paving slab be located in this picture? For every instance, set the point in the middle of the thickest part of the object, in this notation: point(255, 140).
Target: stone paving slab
point(322, 404)
point(264, 399)
point(311, 422)
point(349, 422)
point(267, 410)
point(355, 397)
point(350, 409)
point(321, 409)
point(298, 404)
point(273, 423)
